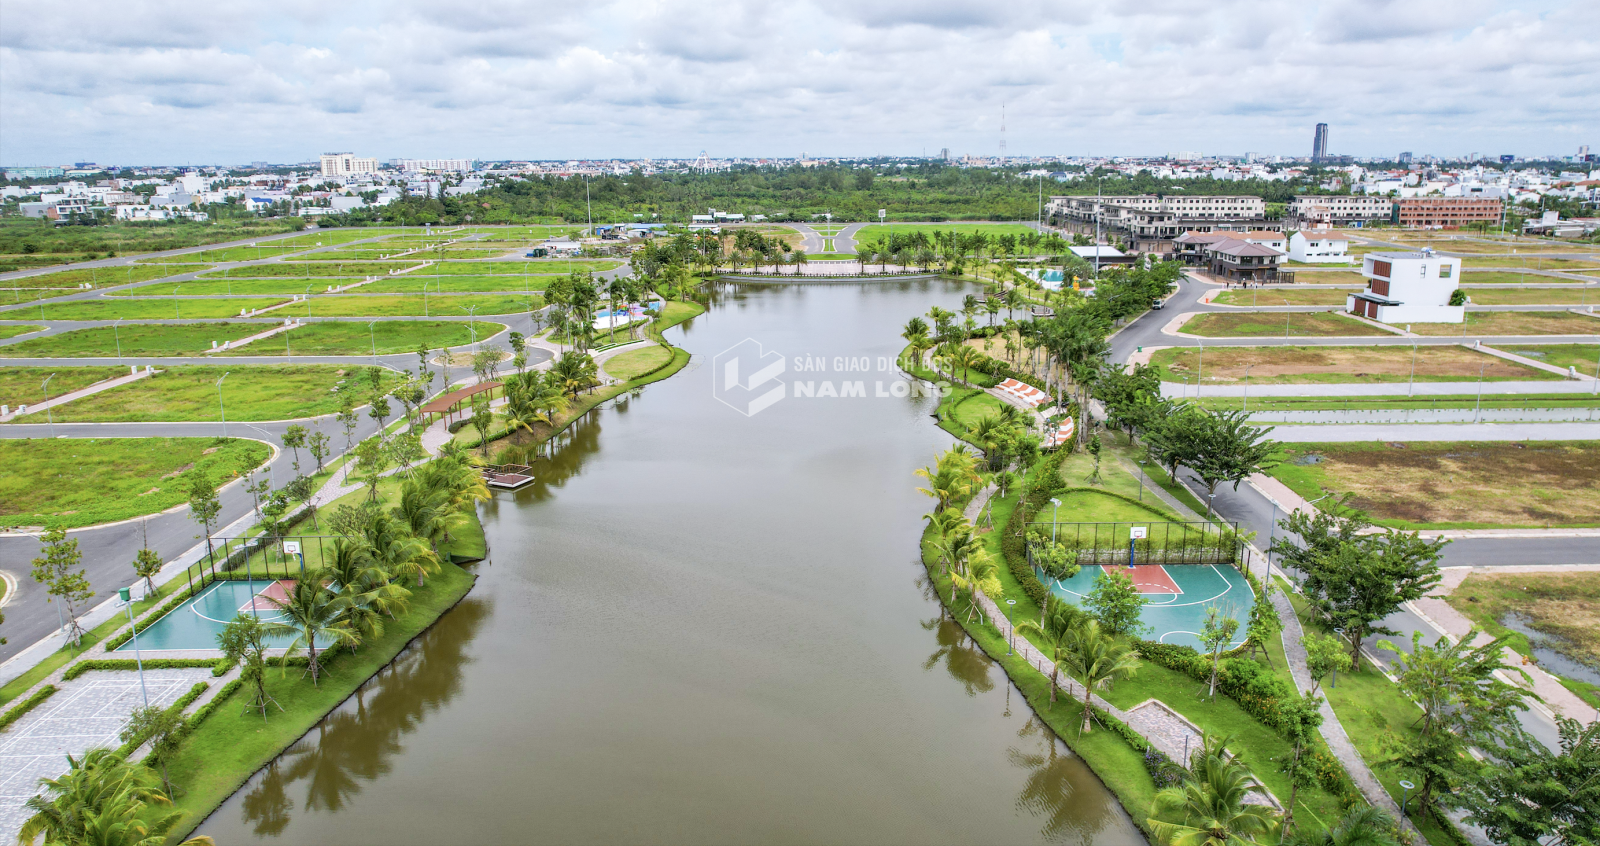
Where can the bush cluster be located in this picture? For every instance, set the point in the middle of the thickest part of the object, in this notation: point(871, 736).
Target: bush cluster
point(26, 705)
point(82, 667)
point(1013, 545)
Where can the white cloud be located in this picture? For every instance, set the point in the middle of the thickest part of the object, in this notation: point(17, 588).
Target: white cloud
point(144, 81)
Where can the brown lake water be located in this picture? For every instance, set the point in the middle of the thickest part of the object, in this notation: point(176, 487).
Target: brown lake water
point(702, 627)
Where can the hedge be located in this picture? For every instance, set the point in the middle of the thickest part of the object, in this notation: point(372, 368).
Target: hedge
point(200, 715)
point(23, 707)
point(1012, 543)
point(82, 667)
point(176, 707)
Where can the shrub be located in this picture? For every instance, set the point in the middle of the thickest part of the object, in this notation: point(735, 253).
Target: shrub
point(82, 667)
point(204, 711)
point(26, 705)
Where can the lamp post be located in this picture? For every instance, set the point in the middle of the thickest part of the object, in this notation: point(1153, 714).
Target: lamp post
point(1478, 410)
point(1247, 387)
point(308, 300)
point(220, 407)
point(1411, 382)
point(117, 333)
point(177, 304)
point(126, 596)
point(1286, 316)
point(1141, 480)
point(372, 338)
point(1211, 505)
point(1200, 371)
point(1405, 798)
point(45, 387)
point(472, 325)
point(1054, 518)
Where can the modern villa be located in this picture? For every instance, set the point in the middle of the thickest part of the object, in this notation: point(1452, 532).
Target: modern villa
point(1407, 287)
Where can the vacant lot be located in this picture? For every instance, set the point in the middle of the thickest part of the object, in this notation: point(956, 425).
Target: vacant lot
point(1511, 277)
point(1293, 296)
point(412, 283)
point(1288, 365)
point(1459, 485)
point(1308, 274)
point(75, 482)
point(13, 330)
point(189, 392)
point(517, 268)
point(138, 340)
point(1404, 403)
point(1293, 324)
point(21, 385)
point(1527, 295)
point(1582, 356)
point(103, 276)
point(414, 305)
point(1563, 607)
point(179, 308)
point(1515, 323)
point(310, 269)
point(389, 336)
point(213, 286)
point(1530, 262)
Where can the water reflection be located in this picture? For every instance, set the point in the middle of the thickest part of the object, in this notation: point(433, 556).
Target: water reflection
point(962, 658)
point(357, 742)
point(1059, 787)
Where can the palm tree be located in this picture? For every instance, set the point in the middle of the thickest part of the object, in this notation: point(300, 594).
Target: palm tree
point(1098, 660)
point(398, 554)
point(1056, 620)
point(103, 800)
point(1211, 801)
point(311, 611)
point(426, 512)
point(1362, 825)
point(574, 372)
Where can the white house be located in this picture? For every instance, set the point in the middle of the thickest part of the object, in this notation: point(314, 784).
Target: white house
point(1405, 287)
point(1319, 246)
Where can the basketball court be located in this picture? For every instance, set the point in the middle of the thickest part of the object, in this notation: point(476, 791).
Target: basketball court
point(1176, 597)
point(196, 622)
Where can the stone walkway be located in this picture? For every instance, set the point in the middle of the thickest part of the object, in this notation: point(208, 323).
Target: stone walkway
point(86, 713)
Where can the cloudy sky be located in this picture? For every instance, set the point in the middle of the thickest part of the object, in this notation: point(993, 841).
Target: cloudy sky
point(137, 81)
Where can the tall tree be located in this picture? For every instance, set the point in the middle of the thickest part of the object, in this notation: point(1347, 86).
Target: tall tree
point(57, 569)
point(1210, 802)
point(244, 641)
point(1231, 449)
point(1528, 795)
point(1098, 659)
point(308, 613)
point(204, 506)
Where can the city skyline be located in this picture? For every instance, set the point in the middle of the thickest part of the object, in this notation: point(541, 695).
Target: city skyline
point(184, 83)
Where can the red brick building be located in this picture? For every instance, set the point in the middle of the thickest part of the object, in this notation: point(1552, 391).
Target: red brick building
point(1446, 212)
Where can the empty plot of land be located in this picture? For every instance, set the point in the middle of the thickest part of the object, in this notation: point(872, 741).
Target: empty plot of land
point(412, 283)
point(322, 267)
point(1278, 296)
point(228, 286)
point(1308, 274)
point(251, 393)
point(170, 308)
point(102, 276)
point(517, 268)
point(1585, 357)
point(1360, 365)
point(75, 482)
point(1266, 325)
point(385, 336)
point(137, 340)
point(342, 236)
point(13, 330)
point(1514, 323)
point(1403, 403)
point(1512, 277)
point(1533, 296)
point(414, 305)
point(23, 385)
point(263, 251)
point(1530, 262)
point(1464, 485)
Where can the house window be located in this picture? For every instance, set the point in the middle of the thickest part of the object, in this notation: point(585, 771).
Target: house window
point(1444, 271)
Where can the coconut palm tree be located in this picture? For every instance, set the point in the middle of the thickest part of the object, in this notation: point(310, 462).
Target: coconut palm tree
point(980, 573)
point(426, 512)
point(1056, 620)
point(398, 554)
point(1211, 802)
point(104, 800)
point(1362, 825)
point(311, 612)
point(1098, 660)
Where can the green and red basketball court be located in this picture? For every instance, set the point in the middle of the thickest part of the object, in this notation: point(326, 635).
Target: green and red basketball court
point(1176, 597)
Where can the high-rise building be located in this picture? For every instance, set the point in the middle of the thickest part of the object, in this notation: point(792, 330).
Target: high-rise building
point(346, 164)
point(1405, 158)
point(1319, 144)
point(944, 153)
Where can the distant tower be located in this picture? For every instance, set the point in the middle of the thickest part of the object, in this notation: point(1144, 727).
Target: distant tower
point(1002, 134)
point(703, 164)
point(1319, 145)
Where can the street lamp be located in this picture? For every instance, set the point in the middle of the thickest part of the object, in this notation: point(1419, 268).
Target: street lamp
point(1478, 410)
point(1411, 382)
point(1286, 316)
point(45, 387)
point(118, 335)
point(1054, 518)
point(1405, 799)
point(220, 407)
point(1200, 370)
point(472, 325)
point(1247, 387)
point(177, 304)
point(373, 338)
point(126, 596)
point(308, 300)
point(1141, 480)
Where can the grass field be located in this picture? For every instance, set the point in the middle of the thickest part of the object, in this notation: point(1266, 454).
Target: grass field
point(1534, 296)
point(517, 268)
point(265, 250)
point(16, 296)
point(880, 232)
point(179, 308)
point(635, 363)
point(414, 305)
point(1310, 275)
point(74, 482)
point(1585, 357)
point(389, 336)
point(1445, 485)
point(102, 276)
point(412, 283)
point(1514, 323)
point(1294, 296)
point(309, 269)
point(1501, 277)
point(1562, 607)
point(1294, 324)
point(138, 339)
point(364, 252)
point(1404, 403)
point(1360, 365)
point(61, 244)
point(20, 385)
point(251, 393)
point(333, 237)
point(10, 330)
point(215, 286)
point(1530, 262)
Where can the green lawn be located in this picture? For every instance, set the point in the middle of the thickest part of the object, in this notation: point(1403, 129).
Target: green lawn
point(517, 268)
point(12, 330)
point(1502, 277)
point(1534, 296)
point(1529, 262)
point(390, 336)
point(1402, 403)
point(412, 283)
point(1294, 324)
point(398, 305)
point(635, 363)
point(138, 340)
point(1585, 357)
point(251, 393)
point(219, 286)
point(72, 482)
point(1309, 275)
point(322, 267)
point(179, 308)
point(59, 244)
point(1277, 297)
point(1339, 364)
point(101, 277)
point(968, 407)
point(20, 385)
point(333, 237)
point(1515, 323)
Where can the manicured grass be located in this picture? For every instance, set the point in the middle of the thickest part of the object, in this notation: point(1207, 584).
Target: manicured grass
point(970, 408)
point(517, 268)
point(153, 309)
point(101, 277)
point(339, 337)
point(412, 283)
point(138, 340)
point(1534, 296)
point(1267, 325)
point(1338, 365)
point(1585, 357)
point(58, 244)
point(12, 330)
point(400, 305)
point(266, 250)
point(72, 482)
point(231, 745)
point(1402, 403)
point(213, 286)
point(634, 363)
point(251, 393)
point(324, 266)
point(880, 232)
point(1276, 297)
point(21, 385)
point(1515, 323)
point(1448, 485)
point(673, 313)
point(1565, 607)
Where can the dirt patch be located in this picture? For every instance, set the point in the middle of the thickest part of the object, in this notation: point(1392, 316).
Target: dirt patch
point(1563, 606)
point(1538, 484)
point(1515, 323)
point(1225, 365)
point(178, 472)
point(1268, 324)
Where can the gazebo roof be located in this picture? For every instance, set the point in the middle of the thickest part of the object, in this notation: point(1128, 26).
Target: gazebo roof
point(445, 403)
